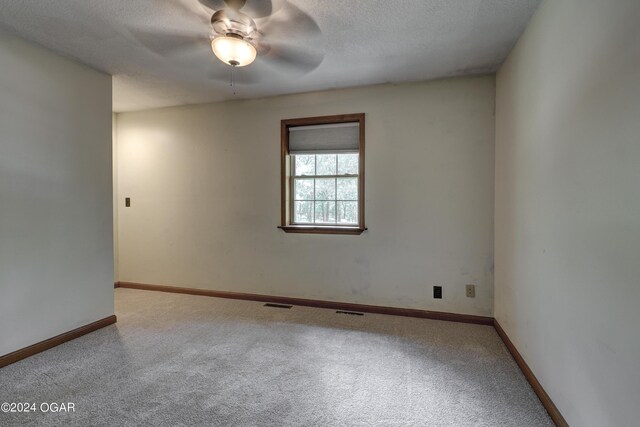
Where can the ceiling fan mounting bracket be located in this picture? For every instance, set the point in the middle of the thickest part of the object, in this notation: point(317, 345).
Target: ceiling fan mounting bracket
point(235, 4)
point(229, 21)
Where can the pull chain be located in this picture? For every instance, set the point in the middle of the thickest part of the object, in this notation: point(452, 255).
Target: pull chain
point(231, 80)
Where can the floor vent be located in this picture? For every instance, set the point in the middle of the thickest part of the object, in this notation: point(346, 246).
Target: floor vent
point(271, 304)
point(351, 313)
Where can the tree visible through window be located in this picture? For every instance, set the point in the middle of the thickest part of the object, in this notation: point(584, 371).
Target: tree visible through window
point(325, 188)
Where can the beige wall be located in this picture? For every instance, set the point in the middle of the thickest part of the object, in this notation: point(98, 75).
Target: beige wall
point(568, 206)
point(205, 188)
point(114, 171)
point(56, 231)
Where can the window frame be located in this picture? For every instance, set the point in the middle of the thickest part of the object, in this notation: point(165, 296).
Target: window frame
point(287, 196)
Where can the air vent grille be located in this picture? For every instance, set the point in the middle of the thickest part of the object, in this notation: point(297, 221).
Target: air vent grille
point(271, 304)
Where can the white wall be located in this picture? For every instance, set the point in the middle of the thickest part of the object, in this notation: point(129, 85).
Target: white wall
point(568, 206)
point(56, 238)
point(204, 183)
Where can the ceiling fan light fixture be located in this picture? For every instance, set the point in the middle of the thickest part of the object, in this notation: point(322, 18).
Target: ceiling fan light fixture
point(232, 49)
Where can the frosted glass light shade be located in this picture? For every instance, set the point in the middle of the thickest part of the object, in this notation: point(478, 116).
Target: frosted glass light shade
point(233, 50)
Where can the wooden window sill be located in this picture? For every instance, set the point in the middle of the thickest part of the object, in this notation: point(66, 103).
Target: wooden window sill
point(318, 229)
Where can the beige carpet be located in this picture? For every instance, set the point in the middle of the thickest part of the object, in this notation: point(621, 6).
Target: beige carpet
point(174, 360)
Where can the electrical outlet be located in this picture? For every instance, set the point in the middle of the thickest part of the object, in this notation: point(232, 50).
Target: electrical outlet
point(471, 291)
point(127, 202)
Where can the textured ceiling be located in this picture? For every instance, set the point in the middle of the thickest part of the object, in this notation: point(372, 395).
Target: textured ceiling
point(362, 42)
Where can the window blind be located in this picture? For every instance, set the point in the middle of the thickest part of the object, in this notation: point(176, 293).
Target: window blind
point(319, 139)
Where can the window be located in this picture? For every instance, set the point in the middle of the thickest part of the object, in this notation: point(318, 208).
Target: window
point(323, 175)
point(325, 189)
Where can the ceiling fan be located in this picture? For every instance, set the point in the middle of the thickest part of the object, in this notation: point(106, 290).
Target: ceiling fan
point(281, 37)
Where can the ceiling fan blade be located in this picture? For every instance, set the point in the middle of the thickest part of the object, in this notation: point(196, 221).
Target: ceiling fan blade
point(253, 8)
point(182, 8)
point(213, 5)
point(292, 59)
point(289, 23)
point(290, 41)
point(168, 42)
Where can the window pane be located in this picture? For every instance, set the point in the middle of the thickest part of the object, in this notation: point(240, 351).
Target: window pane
point(347, 212)
point(326, 164)
point(325, 212)
point(315, 199)
point(348, 164)
point(325, 189)
point(303, 189)
point(305, 165)
point(303, 212)
point(347, 189)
